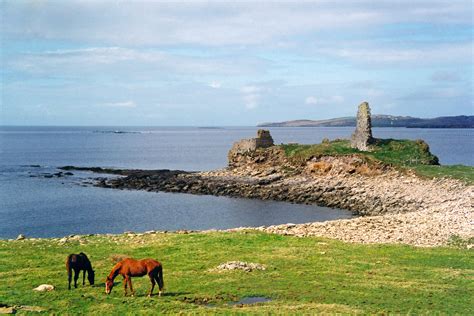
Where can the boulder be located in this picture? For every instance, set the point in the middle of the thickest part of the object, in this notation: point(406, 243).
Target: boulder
point(44, 288)
point(21, 237)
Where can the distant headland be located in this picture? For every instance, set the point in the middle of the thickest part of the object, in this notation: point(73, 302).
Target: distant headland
point(382, 120)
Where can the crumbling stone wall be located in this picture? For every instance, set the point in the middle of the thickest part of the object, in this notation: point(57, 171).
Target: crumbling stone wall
point(263, 140)
point(362, 137)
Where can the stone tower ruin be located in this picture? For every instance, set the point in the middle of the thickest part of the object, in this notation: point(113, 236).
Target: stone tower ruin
point(362, 137)
point(263, 140)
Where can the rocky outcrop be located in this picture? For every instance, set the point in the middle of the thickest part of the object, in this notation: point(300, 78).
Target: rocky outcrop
point(349, 182)
point(263, 140)
point(362, 137)
point(397, 206)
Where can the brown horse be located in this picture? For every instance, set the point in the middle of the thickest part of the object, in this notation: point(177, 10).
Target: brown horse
point(79, 263)
point(129, 268)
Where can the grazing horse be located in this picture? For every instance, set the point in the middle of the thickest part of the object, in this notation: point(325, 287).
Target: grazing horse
point(77, 263)
point(129, 268)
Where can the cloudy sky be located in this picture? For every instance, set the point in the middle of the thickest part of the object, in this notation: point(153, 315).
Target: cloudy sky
point(232, 63)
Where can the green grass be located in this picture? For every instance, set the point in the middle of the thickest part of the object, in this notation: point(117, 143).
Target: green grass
point(304, 275)
point(406, 154)
point(465, 173)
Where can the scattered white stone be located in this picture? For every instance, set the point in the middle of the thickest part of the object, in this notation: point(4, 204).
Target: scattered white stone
point(7, 310)
point(44, 288)
point(240, 265)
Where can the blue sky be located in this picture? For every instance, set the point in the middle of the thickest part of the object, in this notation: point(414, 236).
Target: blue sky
point(232, 63)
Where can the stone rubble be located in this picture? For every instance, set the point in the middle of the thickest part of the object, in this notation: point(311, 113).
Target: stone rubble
point(240, 265)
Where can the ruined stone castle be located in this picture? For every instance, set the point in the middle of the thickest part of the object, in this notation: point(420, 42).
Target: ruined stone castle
point(263, 140)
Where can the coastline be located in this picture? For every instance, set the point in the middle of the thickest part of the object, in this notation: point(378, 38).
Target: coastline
point(394, 206)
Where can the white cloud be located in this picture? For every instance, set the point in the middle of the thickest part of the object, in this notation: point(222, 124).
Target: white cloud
point(374, 93)
point(428, 54)
point(213, 22)
point(337, 99)
point(126, 61)
point(124, 104)
point(311, 100)
point(445, 76)
point(323, 100)
point(251, 96)
point(214, 84)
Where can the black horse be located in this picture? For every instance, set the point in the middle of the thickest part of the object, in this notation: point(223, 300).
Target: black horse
point(77, 263)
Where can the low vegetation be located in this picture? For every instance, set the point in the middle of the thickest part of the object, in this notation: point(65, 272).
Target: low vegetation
point(405, 154)
point(302, 275)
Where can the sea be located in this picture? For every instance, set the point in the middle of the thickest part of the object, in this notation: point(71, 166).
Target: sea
point(39, 206)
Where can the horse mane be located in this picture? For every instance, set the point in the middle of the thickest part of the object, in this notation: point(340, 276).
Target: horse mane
point(115, 271)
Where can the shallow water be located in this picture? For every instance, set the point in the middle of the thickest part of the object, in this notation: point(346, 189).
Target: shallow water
point(61, 206)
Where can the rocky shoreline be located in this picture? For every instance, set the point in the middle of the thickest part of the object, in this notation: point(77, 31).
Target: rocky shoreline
point(396, 206)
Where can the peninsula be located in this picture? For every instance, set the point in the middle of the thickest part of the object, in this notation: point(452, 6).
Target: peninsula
point(389, 183)
point(382, 120)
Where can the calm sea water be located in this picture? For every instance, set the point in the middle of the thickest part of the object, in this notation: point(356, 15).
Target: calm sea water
point(46, 207)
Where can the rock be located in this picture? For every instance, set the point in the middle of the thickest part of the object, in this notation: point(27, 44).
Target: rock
point(7, 310)
point(362, 136)
point(44, 288)
point(21, 237)
point(240, 265)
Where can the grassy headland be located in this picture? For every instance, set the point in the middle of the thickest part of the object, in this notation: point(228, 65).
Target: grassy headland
point(303, 275)
point(405, 154)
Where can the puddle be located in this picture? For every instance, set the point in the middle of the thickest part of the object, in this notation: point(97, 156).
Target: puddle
point(251, 300)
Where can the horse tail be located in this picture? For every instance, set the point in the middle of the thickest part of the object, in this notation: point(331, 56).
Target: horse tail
point(159, 277)
point(68, 263)
point(69, 270)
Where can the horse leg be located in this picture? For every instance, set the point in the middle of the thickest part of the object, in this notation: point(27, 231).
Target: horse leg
point(130, 284)
point(125, 285)
point(83, 277)
point(152, 279)
point(76, 276)
point(159, 279)
point(69, 277)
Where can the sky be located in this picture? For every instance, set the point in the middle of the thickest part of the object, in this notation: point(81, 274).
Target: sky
point(219, 63)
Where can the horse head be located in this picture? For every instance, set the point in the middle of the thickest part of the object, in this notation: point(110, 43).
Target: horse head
point(90, 276)
point(109, 284)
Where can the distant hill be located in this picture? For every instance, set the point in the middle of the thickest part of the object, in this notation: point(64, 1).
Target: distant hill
point(461, 121)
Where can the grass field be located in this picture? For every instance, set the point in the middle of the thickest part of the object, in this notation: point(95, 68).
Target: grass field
point(304, 275)
point(405, 154)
